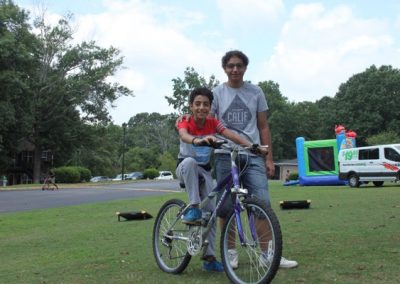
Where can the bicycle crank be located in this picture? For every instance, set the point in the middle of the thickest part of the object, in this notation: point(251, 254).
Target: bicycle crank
point(195, 240)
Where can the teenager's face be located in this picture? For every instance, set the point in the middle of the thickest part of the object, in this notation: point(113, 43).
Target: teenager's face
point(235, 69)
point(200, 107)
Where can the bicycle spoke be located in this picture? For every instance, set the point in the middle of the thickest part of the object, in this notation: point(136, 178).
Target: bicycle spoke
point(258, 254)
point(169, 249)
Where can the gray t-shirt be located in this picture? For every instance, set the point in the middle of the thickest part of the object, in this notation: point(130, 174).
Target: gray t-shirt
point(237, 108)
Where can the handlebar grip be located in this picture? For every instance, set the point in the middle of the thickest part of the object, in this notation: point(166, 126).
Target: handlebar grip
point(217, 144)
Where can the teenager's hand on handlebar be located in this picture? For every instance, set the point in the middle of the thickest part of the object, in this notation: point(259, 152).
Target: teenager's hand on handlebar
point(261, 150)
point(181, 118)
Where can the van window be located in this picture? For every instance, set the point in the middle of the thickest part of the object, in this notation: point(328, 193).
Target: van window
point(368, 154)
point(392, 155)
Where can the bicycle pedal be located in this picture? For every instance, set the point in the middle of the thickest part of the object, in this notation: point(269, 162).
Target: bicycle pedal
point(193, 223)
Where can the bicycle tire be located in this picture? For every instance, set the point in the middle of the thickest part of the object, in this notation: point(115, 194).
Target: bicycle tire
point(258, 260)
point(171, 255)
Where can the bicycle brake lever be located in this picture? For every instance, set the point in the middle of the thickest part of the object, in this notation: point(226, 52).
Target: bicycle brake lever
point(217, 144)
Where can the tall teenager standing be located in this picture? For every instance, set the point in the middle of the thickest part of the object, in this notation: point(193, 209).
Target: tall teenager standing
point(242, 107)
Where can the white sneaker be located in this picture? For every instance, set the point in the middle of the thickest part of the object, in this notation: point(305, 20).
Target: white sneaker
point(233, 258)
point(266, 256)
point(286, 263)
point(264, 260)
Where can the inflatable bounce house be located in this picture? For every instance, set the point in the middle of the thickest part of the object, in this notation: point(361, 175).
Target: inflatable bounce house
point(318, 160)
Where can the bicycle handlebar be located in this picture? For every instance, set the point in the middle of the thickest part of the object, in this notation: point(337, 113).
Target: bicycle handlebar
point(220, 144)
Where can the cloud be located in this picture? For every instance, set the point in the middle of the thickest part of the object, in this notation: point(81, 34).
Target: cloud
point(319, 49)
point(308, 49)
point(155, 47)
point(249, 14)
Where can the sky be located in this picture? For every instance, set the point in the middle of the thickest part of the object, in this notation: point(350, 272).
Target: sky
point(309, 48)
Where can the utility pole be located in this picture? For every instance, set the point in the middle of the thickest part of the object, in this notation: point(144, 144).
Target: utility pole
point(123, 150)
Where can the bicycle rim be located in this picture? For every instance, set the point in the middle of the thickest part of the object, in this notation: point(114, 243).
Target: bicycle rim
point(259, 256)
point(171, 254)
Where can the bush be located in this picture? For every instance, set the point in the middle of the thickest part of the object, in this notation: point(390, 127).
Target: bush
point(84, 173)
point(67, 175)
point(294, 176)
point(72, 174)
point(151, 173)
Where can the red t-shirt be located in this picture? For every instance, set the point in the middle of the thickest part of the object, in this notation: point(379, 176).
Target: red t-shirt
point(211, 126)
point(200, 153)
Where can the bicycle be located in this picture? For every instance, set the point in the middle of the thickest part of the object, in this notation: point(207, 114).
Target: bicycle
point(46, 184)
point(255, 227)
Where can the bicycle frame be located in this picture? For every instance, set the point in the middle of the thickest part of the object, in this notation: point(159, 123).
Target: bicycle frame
point(231, 186)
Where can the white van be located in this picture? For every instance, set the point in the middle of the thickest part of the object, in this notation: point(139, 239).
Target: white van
point(373, 163)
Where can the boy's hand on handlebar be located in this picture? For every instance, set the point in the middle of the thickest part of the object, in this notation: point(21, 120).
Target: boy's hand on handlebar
point(207, 140)
point(210, 140)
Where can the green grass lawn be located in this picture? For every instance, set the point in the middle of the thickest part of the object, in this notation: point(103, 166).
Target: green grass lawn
point(347, 236)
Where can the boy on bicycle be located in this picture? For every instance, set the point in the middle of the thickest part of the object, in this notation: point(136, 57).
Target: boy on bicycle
point(50, 180)
point(194, 162)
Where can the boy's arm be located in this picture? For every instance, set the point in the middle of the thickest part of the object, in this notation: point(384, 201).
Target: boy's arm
point(186, 137)
point(227, 133)
point(265, 137)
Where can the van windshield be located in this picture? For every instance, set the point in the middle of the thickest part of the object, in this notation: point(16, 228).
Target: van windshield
point(392, 154)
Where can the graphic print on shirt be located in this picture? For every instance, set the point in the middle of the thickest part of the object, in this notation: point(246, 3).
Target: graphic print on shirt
point(237, 115)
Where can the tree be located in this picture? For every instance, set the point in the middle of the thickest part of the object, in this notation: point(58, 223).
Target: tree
point(387, 137)
point(167, 162)
point(282, 124)
point(182, 89)
point(153, 130)
point(139, 159)
point(98, 149)
point(327, 118)
point(17, 64)
point(67, 88)
point(364, 101)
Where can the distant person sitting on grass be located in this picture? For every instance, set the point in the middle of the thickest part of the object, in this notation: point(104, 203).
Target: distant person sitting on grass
point(287, 178)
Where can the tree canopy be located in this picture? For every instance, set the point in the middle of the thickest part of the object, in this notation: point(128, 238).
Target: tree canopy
point(51, 87)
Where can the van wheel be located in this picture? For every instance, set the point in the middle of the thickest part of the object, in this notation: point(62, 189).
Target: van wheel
point(378, 183)
point(354, 180)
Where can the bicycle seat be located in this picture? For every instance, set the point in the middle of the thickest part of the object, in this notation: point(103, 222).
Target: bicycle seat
point(201, 181)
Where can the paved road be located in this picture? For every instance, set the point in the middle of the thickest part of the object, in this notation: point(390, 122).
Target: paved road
point(22, 200)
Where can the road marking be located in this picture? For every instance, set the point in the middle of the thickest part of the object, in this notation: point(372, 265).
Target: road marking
point(145, 189)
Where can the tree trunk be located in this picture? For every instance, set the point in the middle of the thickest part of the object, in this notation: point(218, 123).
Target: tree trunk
point(37, 157)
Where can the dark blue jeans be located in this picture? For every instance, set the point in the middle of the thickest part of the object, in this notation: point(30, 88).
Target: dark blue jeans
point(254, 177)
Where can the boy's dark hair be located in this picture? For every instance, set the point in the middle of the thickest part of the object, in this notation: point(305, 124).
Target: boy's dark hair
point(202, 91)
point(233, 53)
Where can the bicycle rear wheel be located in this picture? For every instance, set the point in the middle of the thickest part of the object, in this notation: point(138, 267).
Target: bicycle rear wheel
point(170, 253)
point(260, 253)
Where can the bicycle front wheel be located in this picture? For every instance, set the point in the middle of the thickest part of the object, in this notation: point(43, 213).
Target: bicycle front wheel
point(260, 248)
point(169, 248)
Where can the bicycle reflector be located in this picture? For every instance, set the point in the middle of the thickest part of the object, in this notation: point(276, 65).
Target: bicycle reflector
point(295, 204)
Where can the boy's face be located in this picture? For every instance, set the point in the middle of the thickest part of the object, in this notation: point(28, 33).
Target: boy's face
point(200, 107)
point(235, 69)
